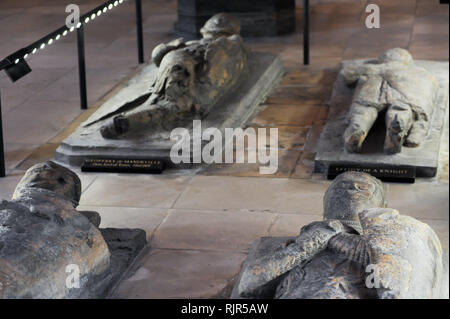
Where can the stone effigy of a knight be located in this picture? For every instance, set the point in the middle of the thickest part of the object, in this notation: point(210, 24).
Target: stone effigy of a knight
point(191, 78)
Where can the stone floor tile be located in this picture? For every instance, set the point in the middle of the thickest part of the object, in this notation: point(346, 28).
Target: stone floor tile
point(8, 185)
point(299, 196)
point(132, 190)
point(212, 230)
point(286, 164)
point(274, 194)
point(426, 200)
point(305, 166)
point(286, 225)
point(289, 114)
point(233, 193)
point(147, 219)
point(16, 153)
point(38, 122)
point(182, 274)
point(43, 153)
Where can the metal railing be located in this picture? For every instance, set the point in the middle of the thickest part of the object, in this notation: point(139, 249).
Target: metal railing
point(15, 64)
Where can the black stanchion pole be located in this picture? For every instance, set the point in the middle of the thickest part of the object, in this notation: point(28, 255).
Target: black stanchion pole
point(140, 37)
point(82, 68)
point(2, 151)
point(306, 32)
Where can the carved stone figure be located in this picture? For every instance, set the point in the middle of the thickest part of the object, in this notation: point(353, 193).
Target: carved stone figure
point(42, 235)
point(360, 250)
point(396, 85)
point(192, 77)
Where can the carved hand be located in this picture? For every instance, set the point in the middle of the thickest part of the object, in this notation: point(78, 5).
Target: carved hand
point(313, 238)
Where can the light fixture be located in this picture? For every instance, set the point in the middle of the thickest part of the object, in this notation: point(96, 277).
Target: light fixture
point(16, 67)
point(86, 20)
point(99, 12)
point(110, 6)
point(50, 41)
point(71, 29)
point(42, 46)
point(25, 56)
point(34, 51)
point(78, 25)
point(93, 16)
point(64, 33)
point(58, 37)
point(116, 3)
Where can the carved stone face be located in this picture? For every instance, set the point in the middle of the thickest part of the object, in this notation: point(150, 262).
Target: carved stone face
point(221, 24)
point(53, 177)
point(351, 193)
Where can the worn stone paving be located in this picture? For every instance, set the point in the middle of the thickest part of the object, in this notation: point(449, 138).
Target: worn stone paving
point(201, 223)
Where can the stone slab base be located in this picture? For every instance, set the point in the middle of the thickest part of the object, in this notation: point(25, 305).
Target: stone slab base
point(234, 110)
point(126, 247)
point(424, 159)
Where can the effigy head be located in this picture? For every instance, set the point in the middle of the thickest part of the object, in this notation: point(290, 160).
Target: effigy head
point(350, 194)
point(396, 55)
point(221, 24)
point(53, 177)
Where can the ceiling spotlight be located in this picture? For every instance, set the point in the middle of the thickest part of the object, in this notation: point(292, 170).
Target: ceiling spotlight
point(116, 3)
point(50, 41)
point(105, 9)
point(42, 46)
point(78, 25)
point(25, 56)
point(58, 37)
point(86, 20)
point(110, 6)
point(17, 61)
point(34, 51)
point(120, 1)
point(71, 29)
point(64, 33)
point(99, 12)
point(93, 16)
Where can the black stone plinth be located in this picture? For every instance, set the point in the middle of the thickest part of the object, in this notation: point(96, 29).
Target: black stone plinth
point(258, 17)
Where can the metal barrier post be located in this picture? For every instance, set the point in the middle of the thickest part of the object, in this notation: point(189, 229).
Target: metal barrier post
point(306, 32)
point(140, 37)
point(2, 152)
point(82, 68)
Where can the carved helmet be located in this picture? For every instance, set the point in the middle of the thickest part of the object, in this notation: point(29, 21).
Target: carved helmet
point(396, 55)
point(221, 24)
point(350, 194)
point(52, 177)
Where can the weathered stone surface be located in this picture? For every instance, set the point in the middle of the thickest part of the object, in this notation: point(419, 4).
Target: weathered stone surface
point(335, 258)
point(393, 84)
point(216, 80)
point(192, 77)
point(93, 217)
point(44, 240)
point(408, 255)
point(42, 233)
point(354, 111)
